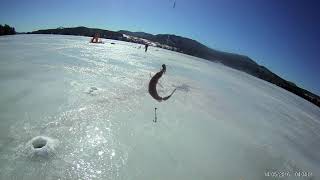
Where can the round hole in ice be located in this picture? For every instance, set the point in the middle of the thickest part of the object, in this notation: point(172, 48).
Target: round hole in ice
point(39, 143)
point(42, 147)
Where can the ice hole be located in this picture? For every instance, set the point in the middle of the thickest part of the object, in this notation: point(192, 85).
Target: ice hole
point(39, 143)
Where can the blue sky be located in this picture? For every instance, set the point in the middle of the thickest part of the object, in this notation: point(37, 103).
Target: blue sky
point(281, 35)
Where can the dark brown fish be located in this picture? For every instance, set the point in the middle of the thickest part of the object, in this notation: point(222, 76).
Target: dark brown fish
point(153, 85)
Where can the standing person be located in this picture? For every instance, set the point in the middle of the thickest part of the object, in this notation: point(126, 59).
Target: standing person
point(146, 47)
point(95, 38)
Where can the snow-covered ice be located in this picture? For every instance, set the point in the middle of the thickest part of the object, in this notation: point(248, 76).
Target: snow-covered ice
point(93, 99)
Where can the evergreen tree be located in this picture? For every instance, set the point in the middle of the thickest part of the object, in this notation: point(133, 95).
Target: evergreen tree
point(7, 30)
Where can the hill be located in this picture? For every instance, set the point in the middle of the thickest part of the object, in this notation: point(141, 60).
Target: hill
point(81, 31)
point(193, 48)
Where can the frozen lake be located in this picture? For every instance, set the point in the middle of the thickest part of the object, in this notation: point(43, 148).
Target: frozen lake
point(90, 104)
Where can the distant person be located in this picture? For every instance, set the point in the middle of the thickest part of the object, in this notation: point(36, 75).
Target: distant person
point(95, 38)
point(146, 47)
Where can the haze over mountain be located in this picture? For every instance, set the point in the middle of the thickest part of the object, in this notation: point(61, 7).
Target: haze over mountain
point(193, 48)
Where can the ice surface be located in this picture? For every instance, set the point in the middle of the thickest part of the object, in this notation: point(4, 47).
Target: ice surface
point(93, 99)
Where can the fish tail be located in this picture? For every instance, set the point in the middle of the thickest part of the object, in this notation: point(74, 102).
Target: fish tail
point(167, 97)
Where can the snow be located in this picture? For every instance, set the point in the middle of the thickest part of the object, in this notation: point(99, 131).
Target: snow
point(93, 98)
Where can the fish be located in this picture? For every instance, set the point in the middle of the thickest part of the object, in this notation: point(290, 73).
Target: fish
point(153, 85)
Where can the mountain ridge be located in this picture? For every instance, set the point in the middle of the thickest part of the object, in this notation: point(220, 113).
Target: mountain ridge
point(193, 48)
